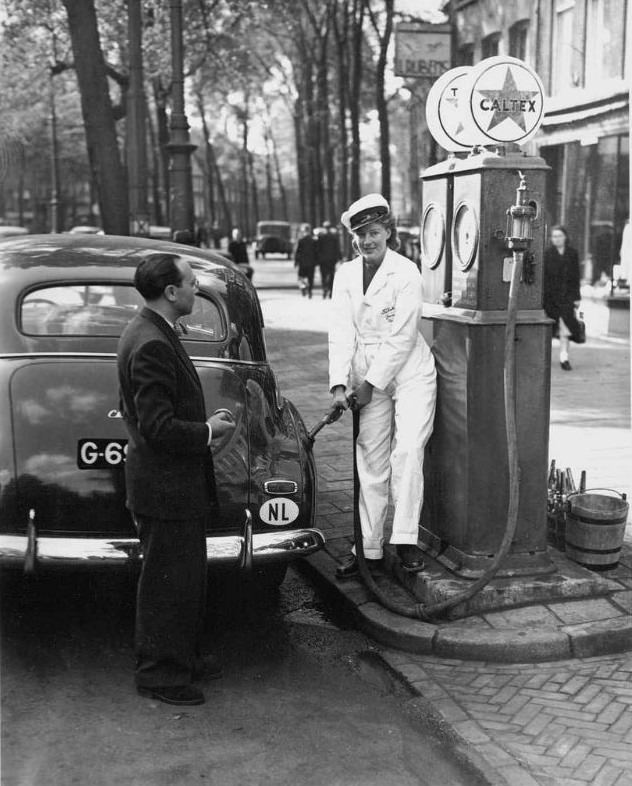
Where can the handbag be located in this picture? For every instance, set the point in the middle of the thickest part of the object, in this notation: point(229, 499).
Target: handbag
point(579, 336)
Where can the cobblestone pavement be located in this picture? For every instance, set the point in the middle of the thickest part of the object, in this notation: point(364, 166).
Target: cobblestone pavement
point(567, 723)
point(563, 723)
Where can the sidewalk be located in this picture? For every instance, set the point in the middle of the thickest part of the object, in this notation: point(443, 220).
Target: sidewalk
point(566, 720)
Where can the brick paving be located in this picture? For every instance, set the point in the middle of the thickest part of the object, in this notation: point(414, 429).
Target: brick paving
point(566, 723)
point(563, 723)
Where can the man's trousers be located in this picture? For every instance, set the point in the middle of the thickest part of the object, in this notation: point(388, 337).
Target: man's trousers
point(171, 600)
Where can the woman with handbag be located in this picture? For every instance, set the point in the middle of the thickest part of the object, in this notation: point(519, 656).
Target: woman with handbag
point(561, 292)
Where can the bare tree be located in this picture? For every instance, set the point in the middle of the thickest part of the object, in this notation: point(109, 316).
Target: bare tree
point(384, 38)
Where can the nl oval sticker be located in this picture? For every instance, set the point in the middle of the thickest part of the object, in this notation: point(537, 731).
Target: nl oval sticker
point(278, 511)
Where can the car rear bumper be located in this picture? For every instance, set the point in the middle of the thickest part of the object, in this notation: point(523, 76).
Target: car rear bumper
point(228, 550)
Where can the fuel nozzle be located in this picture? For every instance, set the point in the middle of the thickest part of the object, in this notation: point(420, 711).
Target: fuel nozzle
point(520, 219)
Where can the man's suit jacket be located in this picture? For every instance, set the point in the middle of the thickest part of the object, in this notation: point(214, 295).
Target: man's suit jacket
point(169, 469)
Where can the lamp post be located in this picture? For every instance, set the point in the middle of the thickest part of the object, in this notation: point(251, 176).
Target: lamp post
point(136, 140)
point(179, 146)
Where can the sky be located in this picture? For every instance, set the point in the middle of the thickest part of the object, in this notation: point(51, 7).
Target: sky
point(417, 7)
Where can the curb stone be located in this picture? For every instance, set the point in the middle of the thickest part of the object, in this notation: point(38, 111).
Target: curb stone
point(509, 645)
point(462, 747)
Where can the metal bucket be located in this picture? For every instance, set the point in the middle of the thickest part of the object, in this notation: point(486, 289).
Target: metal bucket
point(595, 526)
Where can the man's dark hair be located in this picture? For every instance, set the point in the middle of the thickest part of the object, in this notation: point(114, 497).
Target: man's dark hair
point(156, 272)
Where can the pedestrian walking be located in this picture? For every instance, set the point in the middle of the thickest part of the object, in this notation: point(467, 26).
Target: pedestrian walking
point(169, 480)
point(237, 248)
point(305, 260)
point(381, 365)
point(328, 255)
point(561, 292)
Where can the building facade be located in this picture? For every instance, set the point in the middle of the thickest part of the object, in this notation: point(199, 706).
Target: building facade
point(581, 51)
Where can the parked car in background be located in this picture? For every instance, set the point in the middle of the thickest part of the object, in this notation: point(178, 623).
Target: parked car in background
point(273, 237)
point(62, 455)
point(85, 229)
point(7, 230)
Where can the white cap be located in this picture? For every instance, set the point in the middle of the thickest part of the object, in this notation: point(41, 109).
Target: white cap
point(365, 211)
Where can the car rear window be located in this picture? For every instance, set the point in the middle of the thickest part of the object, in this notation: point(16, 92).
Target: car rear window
point(105, 310)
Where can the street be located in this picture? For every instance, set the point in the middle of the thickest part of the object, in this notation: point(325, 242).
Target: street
point(302, 700)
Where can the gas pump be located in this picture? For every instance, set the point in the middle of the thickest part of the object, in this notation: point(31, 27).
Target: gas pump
point(467, 469)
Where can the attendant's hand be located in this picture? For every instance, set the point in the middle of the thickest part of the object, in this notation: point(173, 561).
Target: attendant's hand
point(222, 423)
point(578, 303)
point(361, 396)
point(339, 398)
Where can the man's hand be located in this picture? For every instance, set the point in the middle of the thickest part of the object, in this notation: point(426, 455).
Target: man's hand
point(221, 422)
point(578, 303)
point(361, 396)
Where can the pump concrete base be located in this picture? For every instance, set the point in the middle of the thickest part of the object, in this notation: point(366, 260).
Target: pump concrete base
point(567, 581)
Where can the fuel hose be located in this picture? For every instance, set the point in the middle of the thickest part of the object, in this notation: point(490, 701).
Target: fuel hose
point(428, 612)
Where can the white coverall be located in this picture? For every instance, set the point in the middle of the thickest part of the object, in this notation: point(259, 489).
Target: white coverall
point(376, 336)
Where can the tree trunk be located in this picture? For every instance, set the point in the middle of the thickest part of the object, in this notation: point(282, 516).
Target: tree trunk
point(268, 170)
point(255, 195)
point(325, 164)
point(279, 178)
point(96, 107)
point(209, 169)
point(158, 216)
point(244, 217)
point(341, 32)
point(356, 84)
point(162, 124)
point(299, 140)
point(380, 96)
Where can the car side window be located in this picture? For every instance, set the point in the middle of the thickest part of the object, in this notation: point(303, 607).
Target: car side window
point(79, 310)
point(105, 310)
point(205, 322)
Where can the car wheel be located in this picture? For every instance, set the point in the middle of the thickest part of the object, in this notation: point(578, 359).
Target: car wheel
point(270, 577)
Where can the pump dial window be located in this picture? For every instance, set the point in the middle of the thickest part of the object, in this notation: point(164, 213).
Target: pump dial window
point(465, 235)
point(432, 235)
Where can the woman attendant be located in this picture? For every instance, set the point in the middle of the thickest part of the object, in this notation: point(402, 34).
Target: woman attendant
point(380, 363)
point(561, 291)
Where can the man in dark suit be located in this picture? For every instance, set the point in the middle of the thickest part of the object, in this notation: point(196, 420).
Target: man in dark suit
point(169, 479)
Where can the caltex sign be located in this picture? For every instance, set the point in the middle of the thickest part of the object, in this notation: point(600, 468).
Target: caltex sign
point(506, 100)
point(498, 101)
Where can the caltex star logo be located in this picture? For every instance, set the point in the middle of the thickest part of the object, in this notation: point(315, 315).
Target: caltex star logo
point(506, 100)
point(508, 103)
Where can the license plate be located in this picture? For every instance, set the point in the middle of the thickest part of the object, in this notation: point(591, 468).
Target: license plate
point(101, 453)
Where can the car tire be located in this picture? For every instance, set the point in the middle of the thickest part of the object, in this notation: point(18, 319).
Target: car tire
point(270, 577)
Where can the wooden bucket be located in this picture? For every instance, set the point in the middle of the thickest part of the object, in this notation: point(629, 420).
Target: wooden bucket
point(595, 526)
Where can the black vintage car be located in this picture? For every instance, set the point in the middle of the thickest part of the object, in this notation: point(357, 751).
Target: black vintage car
point(62, 440)
point(273, 237)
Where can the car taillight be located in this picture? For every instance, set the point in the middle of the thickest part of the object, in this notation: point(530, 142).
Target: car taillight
point(280, 487)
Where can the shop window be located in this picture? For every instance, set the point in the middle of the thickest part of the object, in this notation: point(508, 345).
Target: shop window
point(518, 33)
point(562, 76)
point(604, 41)
point(489, 45)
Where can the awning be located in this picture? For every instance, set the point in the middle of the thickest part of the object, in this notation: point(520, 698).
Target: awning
point(585, 124)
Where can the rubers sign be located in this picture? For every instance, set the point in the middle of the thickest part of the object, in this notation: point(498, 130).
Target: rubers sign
point(422, 51)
